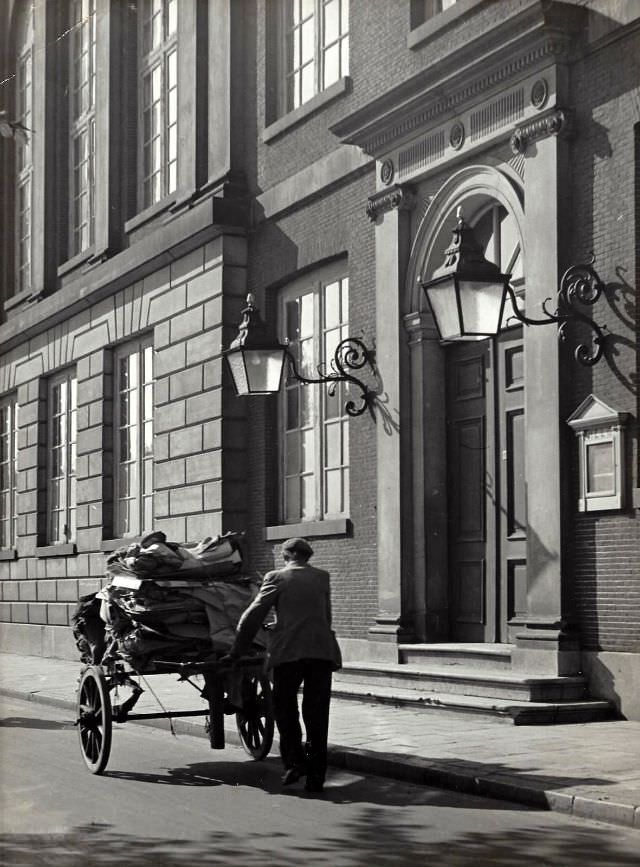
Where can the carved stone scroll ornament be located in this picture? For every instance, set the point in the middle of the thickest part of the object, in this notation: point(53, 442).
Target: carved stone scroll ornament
point(555, 122)
point(396, 197)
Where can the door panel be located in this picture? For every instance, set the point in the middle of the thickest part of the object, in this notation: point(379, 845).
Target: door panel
point(486, 487)
point(471, 601)
point(512, 522)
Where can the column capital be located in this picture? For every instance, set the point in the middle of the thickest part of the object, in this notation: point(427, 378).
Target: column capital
point(397, 197)
point(557, 121)
point(420, 326)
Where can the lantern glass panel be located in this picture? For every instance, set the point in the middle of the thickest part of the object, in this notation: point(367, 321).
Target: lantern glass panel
point(238, 371)
point(264, 370)
point(444, 306)
point(481, 306)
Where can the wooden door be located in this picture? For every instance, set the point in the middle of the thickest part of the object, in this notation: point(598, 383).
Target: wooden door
point(486, 493)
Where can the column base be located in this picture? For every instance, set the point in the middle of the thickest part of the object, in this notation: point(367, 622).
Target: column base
point(389, 628)
point(546, 648)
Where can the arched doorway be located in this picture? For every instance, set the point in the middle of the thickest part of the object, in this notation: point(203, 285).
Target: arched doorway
point(483, 415)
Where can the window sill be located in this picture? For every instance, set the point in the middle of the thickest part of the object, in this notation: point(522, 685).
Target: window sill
point(308, 529)
point(56, 550)
point(8, 554)
point(75, 261)
point(149, 213)
point(17, 299)
point(433, 26)
point(342, 86)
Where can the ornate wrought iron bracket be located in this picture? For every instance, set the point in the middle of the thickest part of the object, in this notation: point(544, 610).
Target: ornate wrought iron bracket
point(580, 284)
point(351, 354)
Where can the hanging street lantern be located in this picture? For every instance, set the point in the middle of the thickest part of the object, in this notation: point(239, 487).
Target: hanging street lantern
point(467, 296)
point(257, 362)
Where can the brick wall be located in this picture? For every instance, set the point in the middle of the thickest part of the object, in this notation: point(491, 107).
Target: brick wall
point(333, 225)
point(199, 489)
point(604, 159)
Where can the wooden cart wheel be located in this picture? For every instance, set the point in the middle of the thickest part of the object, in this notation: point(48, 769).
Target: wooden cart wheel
point(255, 720)
point(94, 719)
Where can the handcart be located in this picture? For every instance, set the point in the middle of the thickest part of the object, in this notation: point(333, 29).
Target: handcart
point(96, 712)
point(170, 609)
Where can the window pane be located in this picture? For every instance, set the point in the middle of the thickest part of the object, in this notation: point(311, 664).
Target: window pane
point(308, 83)
point(344, 16)
point(293, 397)
point(307, 405)
point(600, 467)
point(332, 305)
point(308, 450)
point(292, 499)
point(333, 492)
point(292, 449)
point(333, 446)
point(308, 495)
point(331, 22)
point(331, 65)
point(344, 57)
point(307, 359)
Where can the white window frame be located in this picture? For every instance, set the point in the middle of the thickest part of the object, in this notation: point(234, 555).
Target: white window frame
point(157, 56)
point(133, 502)
point(24, 151)
point(61, 458)
point(8, 472)
point(82, 124)
point(326, 417)
point(297, 16)
point(598, 425)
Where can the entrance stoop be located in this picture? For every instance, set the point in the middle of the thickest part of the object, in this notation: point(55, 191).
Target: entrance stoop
point(474, 679)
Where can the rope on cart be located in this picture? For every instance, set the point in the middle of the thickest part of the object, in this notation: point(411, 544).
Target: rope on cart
point(164, 710)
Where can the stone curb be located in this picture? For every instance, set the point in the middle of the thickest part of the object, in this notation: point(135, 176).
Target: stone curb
point(416, 770)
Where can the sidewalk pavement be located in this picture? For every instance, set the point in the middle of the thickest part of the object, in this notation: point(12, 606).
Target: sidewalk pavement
point(591, 770)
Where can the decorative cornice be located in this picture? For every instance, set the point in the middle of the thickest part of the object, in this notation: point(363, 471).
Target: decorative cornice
point(555, 122)
point(396, 197)
point(464, 76)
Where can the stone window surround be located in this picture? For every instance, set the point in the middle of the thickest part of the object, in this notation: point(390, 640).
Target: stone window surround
point(315, 280)
point(422, 31)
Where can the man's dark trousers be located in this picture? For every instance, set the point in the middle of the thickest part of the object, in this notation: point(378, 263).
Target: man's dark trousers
point(315, 677)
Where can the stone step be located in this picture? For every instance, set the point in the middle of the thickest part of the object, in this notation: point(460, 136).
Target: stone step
point(500, 710)
point(458, 680)
point(480, 656)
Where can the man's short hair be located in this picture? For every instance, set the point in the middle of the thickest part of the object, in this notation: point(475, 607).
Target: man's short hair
point(297, 547)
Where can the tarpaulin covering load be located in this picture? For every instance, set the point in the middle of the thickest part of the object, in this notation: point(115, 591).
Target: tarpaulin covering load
point(166, 601)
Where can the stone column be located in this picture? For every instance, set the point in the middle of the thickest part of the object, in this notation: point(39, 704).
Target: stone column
point(390, 211)
point(429, 479)
point(544, 644)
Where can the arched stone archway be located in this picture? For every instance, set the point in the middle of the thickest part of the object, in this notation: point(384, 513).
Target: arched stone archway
point(476, 189)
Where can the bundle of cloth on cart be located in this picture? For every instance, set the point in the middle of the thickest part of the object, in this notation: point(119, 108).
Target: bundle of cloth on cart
point(166, 601)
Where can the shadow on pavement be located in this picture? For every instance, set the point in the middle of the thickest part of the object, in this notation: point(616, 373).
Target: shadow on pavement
point(24, 722)
point(373, 838)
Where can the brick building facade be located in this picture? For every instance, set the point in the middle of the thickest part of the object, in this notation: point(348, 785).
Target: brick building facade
point(162, 159)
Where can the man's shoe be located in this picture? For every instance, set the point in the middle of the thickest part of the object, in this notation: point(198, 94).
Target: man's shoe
point(292, 775)
point(312, 785)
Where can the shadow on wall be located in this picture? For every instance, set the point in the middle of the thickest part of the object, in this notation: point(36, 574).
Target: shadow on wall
point(601, 681)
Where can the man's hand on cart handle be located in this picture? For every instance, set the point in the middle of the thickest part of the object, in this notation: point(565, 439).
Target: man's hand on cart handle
point(229, 658)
